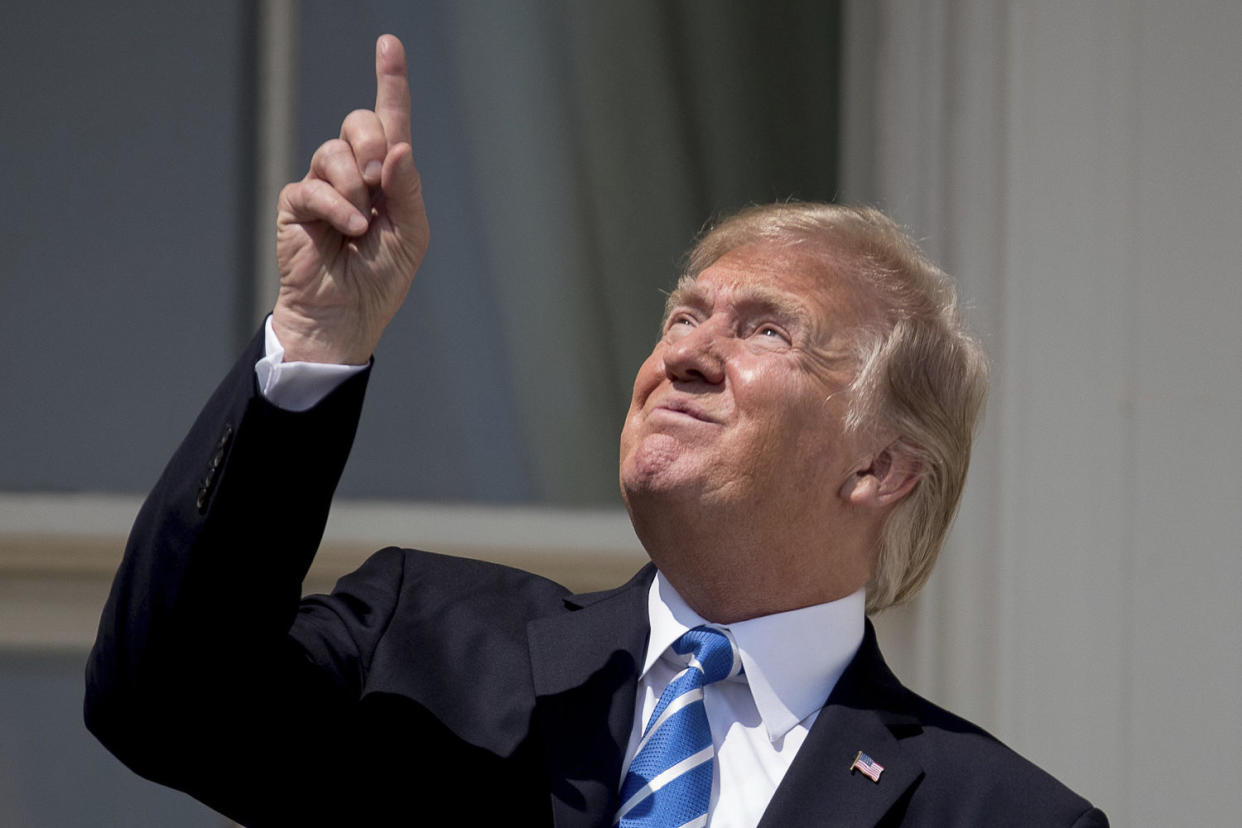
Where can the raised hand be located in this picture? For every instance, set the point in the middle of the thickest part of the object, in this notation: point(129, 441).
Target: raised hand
point(351, 234)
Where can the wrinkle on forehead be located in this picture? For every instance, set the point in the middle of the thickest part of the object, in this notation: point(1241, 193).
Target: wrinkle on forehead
point(820, 267)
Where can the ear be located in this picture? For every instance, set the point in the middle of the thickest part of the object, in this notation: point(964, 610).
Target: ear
point(890, 476)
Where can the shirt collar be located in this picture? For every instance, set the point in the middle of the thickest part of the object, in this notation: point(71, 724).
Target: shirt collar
point(788, 682)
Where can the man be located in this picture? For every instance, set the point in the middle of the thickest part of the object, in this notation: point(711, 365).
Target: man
point(795, 448)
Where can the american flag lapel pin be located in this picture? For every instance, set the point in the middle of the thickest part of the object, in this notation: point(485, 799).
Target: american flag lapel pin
point(870, 768)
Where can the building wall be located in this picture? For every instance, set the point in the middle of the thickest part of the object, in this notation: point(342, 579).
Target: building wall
point(1077, 165)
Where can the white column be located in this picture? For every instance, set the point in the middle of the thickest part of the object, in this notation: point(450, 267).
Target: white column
point(1184, 336)
point(1064, 445)
point(1077, 166)
point(275, 137)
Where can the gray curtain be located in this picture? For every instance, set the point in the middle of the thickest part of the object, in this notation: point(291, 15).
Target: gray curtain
point(570, 150)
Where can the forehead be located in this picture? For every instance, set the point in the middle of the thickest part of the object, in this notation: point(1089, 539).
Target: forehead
point(802, 279)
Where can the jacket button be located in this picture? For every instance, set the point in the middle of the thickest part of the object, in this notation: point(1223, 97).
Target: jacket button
point(217, 460)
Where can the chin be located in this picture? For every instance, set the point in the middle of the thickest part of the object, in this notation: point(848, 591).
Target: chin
point(658, 467)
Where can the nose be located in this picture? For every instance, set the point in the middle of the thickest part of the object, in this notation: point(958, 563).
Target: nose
point(695, 356)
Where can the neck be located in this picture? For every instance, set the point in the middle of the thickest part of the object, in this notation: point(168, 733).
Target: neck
point(730, 569)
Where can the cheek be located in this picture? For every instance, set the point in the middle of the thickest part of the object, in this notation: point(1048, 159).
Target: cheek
point(769, 390)
point(770, 424)
point(789, 412)
point(650, 373)
point(648, 378)
point(746, 376)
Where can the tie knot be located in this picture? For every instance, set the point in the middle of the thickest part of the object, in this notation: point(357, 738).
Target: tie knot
point(712, 652)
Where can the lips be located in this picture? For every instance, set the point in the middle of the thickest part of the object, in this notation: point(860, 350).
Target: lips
point(688, 408)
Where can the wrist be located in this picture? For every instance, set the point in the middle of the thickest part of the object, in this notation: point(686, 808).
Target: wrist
point(312, 341)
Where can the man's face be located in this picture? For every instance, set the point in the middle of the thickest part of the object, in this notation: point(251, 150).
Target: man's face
point(742, 401)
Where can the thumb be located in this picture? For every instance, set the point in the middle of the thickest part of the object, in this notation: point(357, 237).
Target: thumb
point(403, 189)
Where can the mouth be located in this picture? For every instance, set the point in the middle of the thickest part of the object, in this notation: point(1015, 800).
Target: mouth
point(687, 409)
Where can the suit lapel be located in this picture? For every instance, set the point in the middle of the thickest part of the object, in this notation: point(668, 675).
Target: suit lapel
point(585, 665)
point(866, 712)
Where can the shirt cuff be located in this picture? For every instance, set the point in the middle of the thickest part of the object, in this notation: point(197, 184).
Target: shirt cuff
point(296, 386)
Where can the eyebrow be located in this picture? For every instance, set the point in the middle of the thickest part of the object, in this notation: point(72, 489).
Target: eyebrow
point(750, 298)
point(686, 293)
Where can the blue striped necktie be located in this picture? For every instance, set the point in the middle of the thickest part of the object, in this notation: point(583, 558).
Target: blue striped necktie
point(669, 783)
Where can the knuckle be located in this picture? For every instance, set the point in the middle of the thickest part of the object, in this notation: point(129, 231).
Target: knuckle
point(364, 131)
point(359, 118)
point(311, 195)
point(329, 152)
point(323, 197)
point(336, 148)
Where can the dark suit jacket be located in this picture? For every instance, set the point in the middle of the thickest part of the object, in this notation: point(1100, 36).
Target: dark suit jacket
point(433, 690)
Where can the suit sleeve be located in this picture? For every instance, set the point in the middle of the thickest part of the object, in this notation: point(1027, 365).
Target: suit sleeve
point(194, 680)
point(1093, 818)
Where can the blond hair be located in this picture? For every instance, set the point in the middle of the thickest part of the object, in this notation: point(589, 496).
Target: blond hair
point(920, 373)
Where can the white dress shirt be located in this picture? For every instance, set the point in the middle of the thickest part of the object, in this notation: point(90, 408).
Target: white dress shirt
point(791, 660)
point(295, 386)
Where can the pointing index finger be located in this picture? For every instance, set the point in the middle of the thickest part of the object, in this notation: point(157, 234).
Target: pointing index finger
point(392, 90)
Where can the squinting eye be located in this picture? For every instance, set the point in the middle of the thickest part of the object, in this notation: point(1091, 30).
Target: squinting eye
point(678, 325)
point(772, 335)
